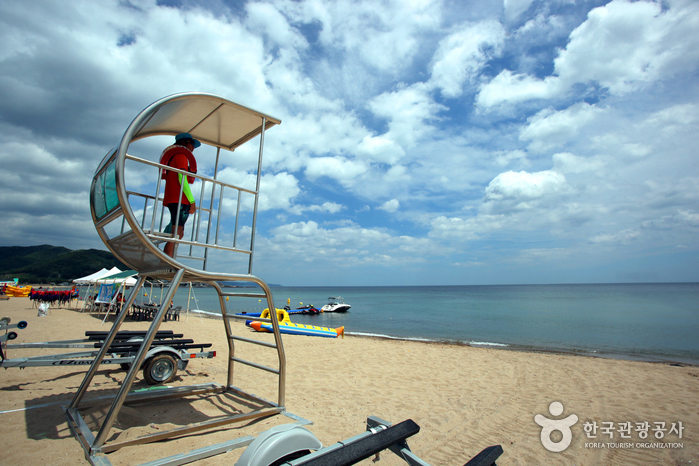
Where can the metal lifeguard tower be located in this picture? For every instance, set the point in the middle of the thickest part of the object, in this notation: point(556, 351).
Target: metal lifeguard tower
point(130, 222)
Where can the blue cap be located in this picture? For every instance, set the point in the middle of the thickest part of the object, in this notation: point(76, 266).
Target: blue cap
point(182, 136)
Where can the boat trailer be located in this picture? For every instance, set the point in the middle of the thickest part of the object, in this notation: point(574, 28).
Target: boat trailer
point(168, 353)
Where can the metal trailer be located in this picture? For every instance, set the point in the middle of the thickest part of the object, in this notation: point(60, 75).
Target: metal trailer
point(293, 445)
point(168, 354)
point(5, 325)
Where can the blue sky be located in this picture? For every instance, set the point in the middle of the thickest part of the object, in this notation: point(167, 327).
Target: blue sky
point(422, 142)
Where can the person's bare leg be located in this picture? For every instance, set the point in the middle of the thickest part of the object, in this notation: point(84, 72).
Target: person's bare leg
point(169, 248)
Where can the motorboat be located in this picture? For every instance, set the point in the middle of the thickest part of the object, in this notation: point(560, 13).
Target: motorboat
point(335, 304)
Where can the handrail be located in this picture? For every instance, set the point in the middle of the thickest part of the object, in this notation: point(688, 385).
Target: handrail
point(254, 342)
point(185, 172)
point(194, 243)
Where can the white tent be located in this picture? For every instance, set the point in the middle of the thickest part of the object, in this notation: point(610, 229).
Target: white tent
point(123, 279)
point(92, 280)
point(89, 279)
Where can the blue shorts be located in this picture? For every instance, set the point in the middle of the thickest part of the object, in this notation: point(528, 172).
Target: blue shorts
point(184, 215)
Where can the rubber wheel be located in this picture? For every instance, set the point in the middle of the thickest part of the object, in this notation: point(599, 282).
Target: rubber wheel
point(125, 366)
point(161, 368)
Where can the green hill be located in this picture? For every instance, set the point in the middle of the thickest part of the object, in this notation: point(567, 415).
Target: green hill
point(52, 264)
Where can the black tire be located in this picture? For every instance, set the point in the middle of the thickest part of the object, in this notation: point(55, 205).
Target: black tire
point(125, 366)
point(161, 368)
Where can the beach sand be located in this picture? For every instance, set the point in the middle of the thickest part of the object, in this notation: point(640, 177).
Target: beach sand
point(464, 399)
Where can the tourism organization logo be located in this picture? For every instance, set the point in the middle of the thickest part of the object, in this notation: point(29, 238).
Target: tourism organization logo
point(548, 426)
point(608, 431)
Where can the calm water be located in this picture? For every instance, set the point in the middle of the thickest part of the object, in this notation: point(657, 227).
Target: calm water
point(638, 321)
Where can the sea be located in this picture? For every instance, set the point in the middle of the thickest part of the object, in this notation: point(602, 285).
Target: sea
point(643, 321)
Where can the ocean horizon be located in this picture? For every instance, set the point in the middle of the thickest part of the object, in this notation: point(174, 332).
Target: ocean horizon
point(638, 321)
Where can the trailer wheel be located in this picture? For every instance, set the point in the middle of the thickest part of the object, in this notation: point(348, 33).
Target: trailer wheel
point(161, 368)
point(125, 366)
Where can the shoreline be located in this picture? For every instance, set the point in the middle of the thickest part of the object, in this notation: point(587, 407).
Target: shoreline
point(507, 347)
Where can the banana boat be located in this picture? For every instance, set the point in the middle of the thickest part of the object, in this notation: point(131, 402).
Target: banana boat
point(290, 328)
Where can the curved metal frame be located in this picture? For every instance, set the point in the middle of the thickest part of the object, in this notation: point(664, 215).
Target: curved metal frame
point(216, 122)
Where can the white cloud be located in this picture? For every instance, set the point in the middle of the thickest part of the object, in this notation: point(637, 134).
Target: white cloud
point(508, 87)
point(376, 101)
point(446, 228)
point(566, 162)
point(347, 246)
point(384, 35)
point(326, 207)
point(504, 158)
point(380, 149)
point(543, 255)
point(265, 17)
point(514, 8)
point(343, 170)
point(462, 54)
point(409, 110)
point(550, 128)
point(622, 46)
point(524, 185)
point(390, 206)
point(276, 190)
point(621, 237)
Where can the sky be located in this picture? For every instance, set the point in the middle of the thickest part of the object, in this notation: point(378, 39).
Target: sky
point(422, 142)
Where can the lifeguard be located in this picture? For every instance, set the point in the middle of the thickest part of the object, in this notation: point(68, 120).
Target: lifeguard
point(179, 155)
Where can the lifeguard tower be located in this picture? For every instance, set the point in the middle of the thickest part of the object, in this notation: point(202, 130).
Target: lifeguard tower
point(129, 219)
point(130, 222)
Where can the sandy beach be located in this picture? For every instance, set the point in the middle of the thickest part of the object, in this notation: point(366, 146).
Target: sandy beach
point(464, 399)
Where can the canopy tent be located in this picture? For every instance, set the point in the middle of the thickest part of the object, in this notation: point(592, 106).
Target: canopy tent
point(125, 277)
point(107, 284)
point(90, 279)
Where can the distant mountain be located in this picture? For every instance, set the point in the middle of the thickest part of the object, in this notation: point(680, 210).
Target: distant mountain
point(52, 264)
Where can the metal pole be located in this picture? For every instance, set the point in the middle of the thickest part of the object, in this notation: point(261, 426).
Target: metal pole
point(189, 298)
point(237, 216)
point(87, 293)
point(136, 364)
point(107, 343)
point(218, 217)
point(257, 193)
point(278, 340)
point(229, 333)
point(211, 211)
point(155, 204)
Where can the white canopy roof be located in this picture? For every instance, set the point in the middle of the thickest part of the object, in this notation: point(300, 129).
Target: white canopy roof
point(209, 118)
point(92, 278)
point(126, 277)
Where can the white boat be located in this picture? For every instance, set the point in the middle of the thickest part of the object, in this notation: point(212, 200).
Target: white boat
point(335, 304)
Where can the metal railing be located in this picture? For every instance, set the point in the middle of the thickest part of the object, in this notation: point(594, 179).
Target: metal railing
point(214, 209)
